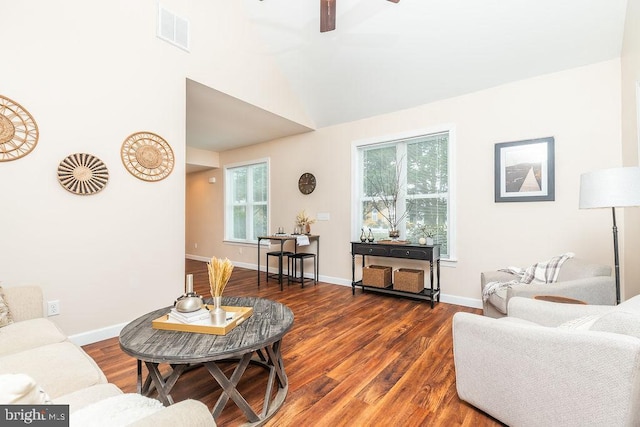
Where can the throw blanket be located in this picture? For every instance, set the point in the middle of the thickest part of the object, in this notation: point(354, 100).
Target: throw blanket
point(540, 272)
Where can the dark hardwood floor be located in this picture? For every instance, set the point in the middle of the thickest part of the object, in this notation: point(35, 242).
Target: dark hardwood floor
point(363, 360)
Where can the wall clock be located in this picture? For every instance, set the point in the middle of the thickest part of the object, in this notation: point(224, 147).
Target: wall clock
point(307, 183)
point(147, 156)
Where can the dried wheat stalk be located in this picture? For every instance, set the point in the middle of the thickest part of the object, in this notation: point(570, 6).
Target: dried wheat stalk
point(219, 275)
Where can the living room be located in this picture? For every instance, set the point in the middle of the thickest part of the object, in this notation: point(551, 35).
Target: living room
point(92, 74)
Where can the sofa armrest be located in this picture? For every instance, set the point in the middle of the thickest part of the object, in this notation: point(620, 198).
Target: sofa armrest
point(547, 313)
point(25, 302)
point(599, 290)
point(527, 375)
point(192, 413)
point(496, 276)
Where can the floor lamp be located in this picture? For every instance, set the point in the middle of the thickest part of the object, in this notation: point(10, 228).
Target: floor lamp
point(611, 188)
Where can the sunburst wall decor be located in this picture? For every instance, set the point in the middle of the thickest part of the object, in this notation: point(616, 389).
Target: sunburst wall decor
point(18, 130)
point(83, 174)
point(147, 156)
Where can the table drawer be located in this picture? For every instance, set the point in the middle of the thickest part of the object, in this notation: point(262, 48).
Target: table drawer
point(411, 253)
point(370, 250)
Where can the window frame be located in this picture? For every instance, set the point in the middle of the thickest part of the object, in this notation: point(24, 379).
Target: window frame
point(357, 178)
point(228, 204)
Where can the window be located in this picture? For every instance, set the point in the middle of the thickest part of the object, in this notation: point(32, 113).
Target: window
point(413, 174)
point(246, 201)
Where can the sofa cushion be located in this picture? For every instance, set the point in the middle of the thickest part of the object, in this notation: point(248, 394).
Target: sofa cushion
point(577, 268)
point(28, 334)
point(5, 314)
point(21, 389)
point(618, 322)
point(86, 396)
point(583, 323)
point(116, 411)
point(60, 368)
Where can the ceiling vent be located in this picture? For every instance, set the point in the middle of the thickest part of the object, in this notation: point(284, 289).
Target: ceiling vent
point(173, 29)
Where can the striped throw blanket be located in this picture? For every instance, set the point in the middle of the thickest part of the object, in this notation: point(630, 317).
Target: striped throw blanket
point(540, 272)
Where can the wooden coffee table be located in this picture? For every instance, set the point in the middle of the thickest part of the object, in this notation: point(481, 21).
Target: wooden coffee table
point(256, 341)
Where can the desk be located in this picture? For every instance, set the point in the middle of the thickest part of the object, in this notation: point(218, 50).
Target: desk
point(405, 251)
point(260, 336)
point(282, 239)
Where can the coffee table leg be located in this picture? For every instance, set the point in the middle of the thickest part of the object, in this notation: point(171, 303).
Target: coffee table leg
point(164, 386)
point(229, 388)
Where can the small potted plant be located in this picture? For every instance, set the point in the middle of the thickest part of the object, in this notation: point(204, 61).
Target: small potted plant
point(427, 235)
point(304, 221)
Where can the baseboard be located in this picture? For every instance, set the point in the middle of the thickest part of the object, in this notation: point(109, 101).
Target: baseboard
point(96, 335)
point(465, 302)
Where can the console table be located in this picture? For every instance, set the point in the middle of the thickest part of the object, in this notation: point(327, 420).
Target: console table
point(403, 251)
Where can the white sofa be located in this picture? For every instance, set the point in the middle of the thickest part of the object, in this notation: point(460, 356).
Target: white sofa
point(578, 279)
point(552, 364)
point(33, 345)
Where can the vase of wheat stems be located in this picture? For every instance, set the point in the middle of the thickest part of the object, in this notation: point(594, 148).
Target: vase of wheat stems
point(219, 274)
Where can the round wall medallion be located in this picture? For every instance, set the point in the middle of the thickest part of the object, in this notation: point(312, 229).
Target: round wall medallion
point(83, 174)
point(18, 130)
point(147, 156)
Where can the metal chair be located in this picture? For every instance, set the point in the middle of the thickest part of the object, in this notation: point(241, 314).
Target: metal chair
point(278, 255)
point(302, 256)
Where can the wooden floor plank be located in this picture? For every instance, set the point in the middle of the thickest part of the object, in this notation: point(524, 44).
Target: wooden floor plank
point(352, 360)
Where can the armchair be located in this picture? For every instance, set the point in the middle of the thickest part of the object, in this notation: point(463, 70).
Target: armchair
point(551, 364)
point(578, 279)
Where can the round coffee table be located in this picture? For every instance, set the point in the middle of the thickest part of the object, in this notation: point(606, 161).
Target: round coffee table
point(260, 336)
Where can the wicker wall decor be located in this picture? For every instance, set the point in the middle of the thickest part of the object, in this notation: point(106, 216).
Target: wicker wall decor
point(18, 130)
point(83, 174)
point(147, 156)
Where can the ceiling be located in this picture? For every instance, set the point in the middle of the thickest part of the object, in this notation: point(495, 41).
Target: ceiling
point(386, 57)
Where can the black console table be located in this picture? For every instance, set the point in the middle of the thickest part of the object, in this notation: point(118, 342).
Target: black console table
point(404, 251)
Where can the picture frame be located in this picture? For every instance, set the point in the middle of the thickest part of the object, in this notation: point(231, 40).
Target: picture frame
point(525, 170)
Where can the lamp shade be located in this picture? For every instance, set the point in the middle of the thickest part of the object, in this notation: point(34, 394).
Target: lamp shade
point(610, 188)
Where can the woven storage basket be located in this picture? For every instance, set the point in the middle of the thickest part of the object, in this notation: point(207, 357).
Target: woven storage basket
point(378, 276)
point(406, 279)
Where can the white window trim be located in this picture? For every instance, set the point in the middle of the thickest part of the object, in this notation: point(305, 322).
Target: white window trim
point(357, 174)
point(266, 160)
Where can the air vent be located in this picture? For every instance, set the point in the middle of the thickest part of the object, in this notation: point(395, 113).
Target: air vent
point(173, 29)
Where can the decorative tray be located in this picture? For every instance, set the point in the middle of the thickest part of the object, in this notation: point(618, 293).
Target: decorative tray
point(394, 242)
point(240, 314)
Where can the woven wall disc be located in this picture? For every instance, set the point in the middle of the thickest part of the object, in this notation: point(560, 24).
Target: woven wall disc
point(147, 156)
point(18, 130)
point(83, 174)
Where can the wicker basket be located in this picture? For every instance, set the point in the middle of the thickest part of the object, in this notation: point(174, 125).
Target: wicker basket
point(408, 280)
point(378, 276)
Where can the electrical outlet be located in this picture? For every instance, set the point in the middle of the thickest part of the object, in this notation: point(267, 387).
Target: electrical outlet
point(195, 245)
point(53, 308)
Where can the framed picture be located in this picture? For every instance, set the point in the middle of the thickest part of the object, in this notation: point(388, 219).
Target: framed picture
point(525, 171)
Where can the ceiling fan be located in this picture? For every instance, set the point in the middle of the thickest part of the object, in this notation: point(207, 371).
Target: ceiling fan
point(328, 14)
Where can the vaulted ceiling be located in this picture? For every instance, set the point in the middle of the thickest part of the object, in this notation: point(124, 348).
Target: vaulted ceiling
point(385, 56)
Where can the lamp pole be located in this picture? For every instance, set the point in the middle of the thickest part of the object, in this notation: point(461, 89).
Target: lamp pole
point(616, 257)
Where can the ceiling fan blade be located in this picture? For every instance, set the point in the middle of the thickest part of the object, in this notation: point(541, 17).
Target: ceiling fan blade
point(394, 1)
point(327, 15)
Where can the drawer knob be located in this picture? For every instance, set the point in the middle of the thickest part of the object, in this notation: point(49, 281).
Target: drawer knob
point(407, 252)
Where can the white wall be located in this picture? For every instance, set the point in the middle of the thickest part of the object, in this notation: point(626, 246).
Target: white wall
point(579, 107)
point(91, 73)
point(630, 61)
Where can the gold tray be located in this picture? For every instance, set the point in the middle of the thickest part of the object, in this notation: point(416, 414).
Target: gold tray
point(243, 313)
